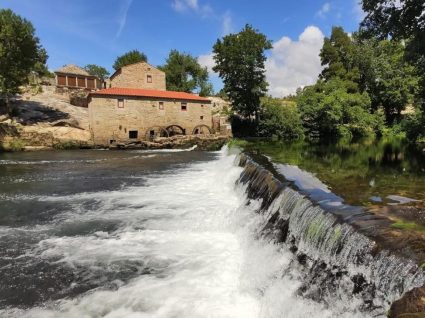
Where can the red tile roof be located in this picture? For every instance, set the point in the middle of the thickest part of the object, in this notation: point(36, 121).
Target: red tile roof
point(138, 92)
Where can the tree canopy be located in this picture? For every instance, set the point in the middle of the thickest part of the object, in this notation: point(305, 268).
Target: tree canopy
point(97, 70)
point(20, 52)
point(185, 74)
point(128, 58)
point(240, 60)
point(399, 20)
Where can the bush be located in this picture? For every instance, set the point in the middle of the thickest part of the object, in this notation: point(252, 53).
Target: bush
point(414, 126)
point(66, 145)
point(279, 119)
point(13, 145)
point(334, 109)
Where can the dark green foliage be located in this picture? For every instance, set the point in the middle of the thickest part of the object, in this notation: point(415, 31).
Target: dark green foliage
point(20, 52)
point(396, 19)
point(338, 56)
point(400, 20)
point(280, 119)
point(185, 74)
point(128, 58)
point(97, 70)
point(413, 125)
point(240, 62)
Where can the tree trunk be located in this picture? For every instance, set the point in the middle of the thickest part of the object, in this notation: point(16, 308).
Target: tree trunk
point(8, 110)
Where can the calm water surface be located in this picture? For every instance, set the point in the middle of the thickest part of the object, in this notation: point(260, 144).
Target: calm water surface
point(370, 172)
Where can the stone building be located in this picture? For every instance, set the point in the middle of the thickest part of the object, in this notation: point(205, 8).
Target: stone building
point(132, 114)
point(138, 75)
point(75, 77)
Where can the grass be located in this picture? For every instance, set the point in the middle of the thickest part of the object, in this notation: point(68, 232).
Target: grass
point(66, 145)
point(237, 143)
point(409, 226)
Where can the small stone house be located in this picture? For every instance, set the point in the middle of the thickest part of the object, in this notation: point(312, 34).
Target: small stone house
point(75, 77)
point(138, 75)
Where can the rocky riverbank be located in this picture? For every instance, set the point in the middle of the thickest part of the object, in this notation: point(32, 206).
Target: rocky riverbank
point(202, 142)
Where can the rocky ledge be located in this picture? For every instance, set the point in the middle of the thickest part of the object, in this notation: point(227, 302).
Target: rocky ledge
point(202, 142)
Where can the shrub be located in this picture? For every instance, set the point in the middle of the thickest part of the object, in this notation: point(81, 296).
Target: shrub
point(333, 109)
point(279, 119)
point(66, 145)
point(13, 145)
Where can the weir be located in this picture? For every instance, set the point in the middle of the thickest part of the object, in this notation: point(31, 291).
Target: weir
point(341, 251)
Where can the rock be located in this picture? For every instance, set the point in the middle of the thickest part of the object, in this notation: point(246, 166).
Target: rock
point(411, 305)
point(36, 148)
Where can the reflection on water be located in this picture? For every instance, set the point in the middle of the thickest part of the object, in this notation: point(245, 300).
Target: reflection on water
point(364, 173)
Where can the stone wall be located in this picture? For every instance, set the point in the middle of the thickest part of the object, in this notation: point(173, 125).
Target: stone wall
point(136, 76)
point(109, 122)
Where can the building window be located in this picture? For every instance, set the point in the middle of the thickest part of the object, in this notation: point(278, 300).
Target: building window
point(184, 106)
point(161, 105)
point(132, 134)
point(202, 105)
point(202, 117)
point(149, 78)
point(120, 103)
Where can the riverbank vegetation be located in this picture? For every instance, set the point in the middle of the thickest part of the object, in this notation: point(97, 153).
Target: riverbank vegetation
point(372, 83)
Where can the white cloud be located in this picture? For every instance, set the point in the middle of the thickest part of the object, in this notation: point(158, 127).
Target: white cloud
point(324, 10)
point(227, 23)
point(191, 5)
point(207, 61)
point(122, 18)
point(294, 64)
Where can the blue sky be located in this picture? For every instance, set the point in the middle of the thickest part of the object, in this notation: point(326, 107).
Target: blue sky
point(95, 32)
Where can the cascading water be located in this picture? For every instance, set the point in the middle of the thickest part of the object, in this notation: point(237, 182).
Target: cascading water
point(204, 239)
point(340, 264)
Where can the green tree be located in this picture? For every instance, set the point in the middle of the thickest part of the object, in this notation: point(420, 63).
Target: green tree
point(240, 62)
point(387, 76)
point(128, 58)
point(338, 56)
point(20, 53)
point(97, 70)
point(400, 20)
point(279, 118)
point(185, 74)
point(331, 109)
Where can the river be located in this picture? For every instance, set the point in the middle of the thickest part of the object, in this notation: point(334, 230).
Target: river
point(141, 234)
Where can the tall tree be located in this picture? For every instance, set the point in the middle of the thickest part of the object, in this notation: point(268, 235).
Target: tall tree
point(338, 56)
point(97, 70)
point(240, 62)
point(185, 74)
point(20, 53)
point(128, 58)
point(387, 76)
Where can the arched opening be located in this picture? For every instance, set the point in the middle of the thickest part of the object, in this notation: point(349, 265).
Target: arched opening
point(174, 130)
point(155, 132)
point(202, 130)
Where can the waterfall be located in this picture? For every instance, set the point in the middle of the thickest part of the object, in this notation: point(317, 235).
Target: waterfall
point(337, 261)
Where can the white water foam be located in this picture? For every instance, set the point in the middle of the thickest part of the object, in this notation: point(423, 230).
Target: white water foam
point(200, 240)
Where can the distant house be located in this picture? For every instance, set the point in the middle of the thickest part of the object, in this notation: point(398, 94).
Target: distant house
point(72, 76)
point(138, 75)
